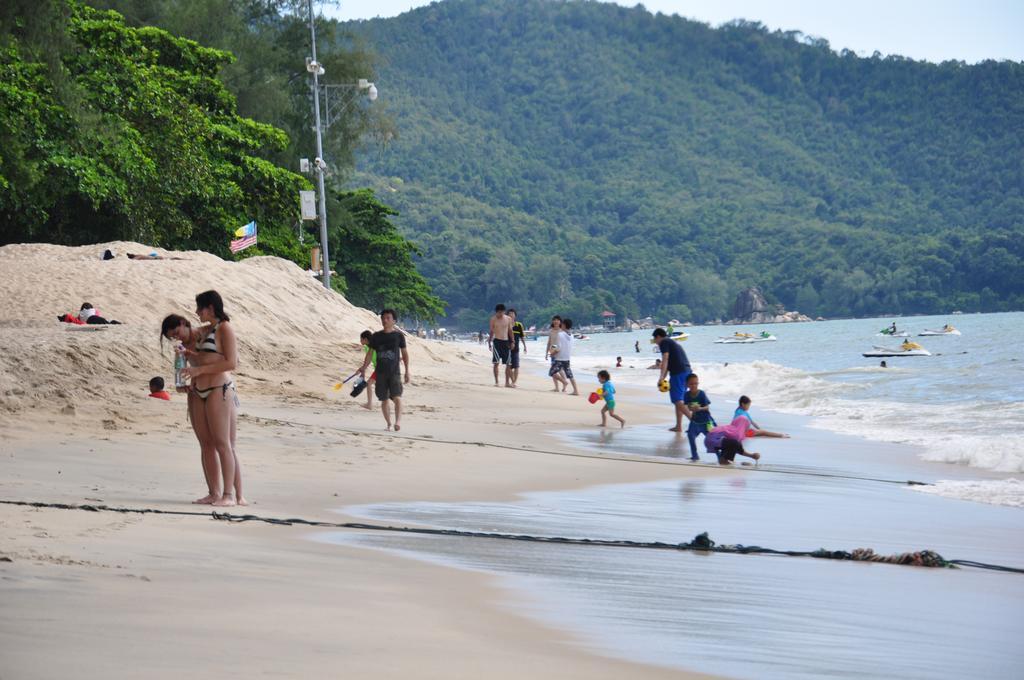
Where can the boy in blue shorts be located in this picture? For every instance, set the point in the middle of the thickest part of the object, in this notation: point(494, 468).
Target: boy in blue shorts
point(675, 364)
point(608, 393)
point(700, 413)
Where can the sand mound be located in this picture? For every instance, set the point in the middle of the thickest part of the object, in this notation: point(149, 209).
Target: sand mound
point(287, 322)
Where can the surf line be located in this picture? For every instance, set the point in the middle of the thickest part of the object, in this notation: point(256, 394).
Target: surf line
point(624, 457)
point(700, 543)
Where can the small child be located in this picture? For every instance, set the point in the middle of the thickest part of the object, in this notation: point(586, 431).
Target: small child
point(156, 389)
point(608, 393)
point(700, 410)
point(755, 430)
point(726, 441)
point(364, 340)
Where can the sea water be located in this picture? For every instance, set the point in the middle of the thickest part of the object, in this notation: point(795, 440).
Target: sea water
point(748, 616)
point(857, 429)
point(964, 405)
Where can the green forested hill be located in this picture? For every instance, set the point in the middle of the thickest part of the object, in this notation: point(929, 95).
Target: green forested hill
point(580, 155)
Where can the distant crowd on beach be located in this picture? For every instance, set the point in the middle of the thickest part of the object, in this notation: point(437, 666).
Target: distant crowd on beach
point(506, 339)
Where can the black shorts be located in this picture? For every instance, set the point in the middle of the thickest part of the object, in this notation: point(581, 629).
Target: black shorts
point(513, 361)
point(500, 350)
point(388, 386)
point(560, 367)
point(730, 447)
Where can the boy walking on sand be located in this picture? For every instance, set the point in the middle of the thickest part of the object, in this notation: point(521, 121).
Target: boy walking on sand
point(700, 414)
point(608, 393)
point(519, 343)
point(389, 344)
point(364, 340)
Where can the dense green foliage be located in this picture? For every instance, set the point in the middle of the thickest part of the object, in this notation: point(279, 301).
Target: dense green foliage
point(375, 260)
point(112, 132)
point(269, 40)
point(115, 128)
point(575, 156)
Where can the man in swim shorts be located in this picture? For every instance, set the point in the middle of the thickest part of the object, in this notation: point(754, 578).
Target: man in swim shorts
point(675, 364)
point(500, 341)
point(562, 356)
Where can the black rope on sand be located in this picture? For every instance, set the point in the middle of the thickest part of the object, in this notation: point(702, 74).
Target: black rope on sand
point(701, 543)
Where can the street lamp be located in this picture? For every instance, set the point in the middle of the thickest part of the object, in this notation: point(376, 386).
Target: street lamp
point(314, 67)
point(316, 70)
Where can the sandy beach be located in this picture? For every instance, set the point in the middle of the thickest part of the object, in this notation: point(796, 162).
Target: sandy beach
point(131, 595)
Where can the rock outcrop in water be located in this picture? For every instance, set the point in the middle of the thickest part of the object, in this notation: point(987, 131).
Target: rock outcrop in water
point(752, 307)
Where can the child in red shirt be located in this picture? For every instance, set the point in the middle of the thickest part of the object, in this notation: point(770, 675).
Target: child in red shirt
point(156, 389)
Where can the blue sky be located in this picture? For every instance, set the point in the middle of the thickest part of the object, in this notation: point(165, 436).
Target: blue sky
point(935, 30)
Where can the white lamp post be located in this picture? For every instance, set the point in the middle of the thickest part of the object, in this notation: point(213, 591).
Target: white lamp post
point(314, 68)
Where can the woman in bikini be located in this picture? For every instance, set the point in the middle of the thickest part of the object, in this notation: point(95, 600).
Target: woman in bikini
point(177, 329)
point(215, 356)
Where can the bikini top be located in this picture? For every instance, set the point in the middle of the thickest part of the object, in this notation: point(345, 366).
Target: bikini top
point(209, 342)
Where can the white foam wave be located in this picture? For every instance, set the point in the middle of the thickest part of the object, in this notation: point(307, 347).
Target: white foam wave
point(973, 433)
point(1009, 492)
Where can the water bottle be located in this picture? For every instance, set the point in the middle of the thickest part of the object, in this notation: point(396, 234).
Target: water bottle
point(179, 366)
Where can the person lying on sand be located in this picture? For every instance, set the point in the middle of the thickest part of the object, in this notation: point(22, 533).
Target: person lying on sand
point(152, 256)
point(86, 315)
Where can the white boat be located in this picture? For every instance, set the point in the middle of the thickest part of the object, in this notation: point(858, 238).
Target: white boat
point(948, 330)
point(898, 334)
point(746, 338)
point(916, 351)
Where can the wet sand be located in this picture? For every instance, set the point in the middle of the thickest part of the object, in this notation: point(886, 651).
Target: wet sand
point(744, 615)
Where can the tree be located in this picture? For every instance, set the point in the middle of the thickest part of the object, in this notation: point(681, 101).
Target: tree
point(756, 158)
point(375, 262)
point(130, 135)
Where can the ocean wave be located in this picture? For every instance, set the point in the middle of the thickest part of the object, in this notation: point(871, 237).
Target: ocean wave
point(1009, 492)
point(972, 433)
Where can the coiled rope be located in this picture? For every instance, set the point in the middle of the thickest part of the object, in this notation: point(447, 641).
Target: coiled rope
point(700, 543)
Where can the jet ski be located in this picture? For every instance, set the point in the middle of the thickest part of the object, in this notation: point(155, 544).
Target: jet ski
point(945, 330)
point(746, 338)
point(907, 349)
point(678, 336)
point(889, 334)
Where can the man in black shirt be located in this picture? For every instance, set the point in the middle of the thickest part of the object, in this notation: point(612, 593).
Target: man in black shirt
point(389, 344)
point(677, 366)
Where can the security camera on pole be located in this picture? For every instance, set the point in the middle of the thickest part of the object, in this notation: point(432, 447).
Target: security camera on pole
point(316, 69)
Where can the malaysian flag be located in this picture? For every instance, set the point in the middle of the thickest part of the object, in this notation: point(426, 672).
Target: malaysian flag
point(247, 238)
